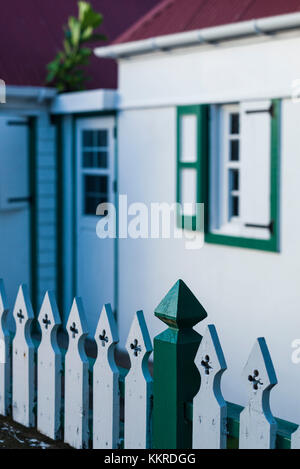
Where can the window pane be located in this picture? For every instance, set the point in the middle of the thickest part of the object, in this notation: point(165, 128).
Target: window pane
point(98, 184)
point(188, 137)
point(234, 179)
point(233, 206)
point(101, 138)
point(87, 138)
point(188, 190)
point(102, 159)
point(234, 123)
point(88, 159)
point(96, 192)
point(91, 204)
point(234, 150)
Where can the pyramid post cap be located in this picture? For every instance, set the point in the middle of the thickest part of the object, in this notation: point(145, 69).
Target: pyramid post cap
point(180, 308)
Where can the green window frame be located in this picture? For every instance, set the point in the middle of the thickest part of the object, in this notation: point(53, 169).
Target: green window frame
point(202, 166)
point(199, 165)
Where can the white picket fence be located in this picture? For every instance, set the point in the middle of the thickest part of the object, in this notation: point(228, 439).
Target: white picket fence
point(66, 413)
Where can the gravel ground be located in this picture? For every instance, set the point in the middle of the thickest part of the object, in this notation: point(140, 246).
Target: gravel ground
point(15, 436)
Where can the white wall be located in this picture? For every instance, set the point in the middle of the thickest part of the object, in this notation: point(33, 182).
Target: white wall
point(247, 293)
point(251, 68)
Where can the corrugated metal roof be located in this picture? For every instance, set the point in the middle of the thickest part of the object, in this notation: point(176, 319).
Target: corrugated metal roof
point(31, 34)
point(175, 16)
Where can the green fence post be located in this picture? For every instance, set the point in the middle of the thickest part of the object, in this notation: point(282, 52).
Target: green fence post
point(176, 378)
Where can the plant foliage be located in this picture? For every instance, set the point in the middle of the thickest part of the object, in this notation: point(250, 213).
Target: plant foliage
point(66, 71)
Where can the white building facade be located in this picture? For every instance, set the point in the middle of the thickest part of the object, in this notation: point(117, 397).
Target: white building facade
point(28, 248)
point(217, 123)
point(209, 117)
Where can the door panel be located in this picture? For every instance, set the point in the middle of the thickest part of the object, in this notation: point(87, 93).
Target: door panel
point(14, 204)
point(95, 270)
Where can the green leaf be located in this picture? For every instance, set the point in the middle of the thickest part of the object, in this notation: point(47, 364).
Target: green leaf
point(75, 29)
point(83, 8)
point(50, 77)
point(96, 37)
point(87, 33)
point(85, 51)
point(87, 16)
point(67, 46)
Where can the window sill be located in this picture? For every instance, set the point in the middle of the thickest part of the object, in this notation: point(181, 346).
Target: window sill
point(270, 245)
point(240, 231)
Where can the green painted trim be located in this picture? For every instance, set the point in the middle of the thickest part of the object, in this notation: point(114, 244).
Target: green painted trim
point(202, 166)
point(235, 241)
point(284, 430)
point(201, 113)
point(283, 435)
point(32, 152)
point(59, 213)
point(176, 380)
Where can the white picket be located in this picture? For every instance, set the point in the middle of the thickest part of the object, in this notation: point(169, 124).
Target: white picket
point(106, 395)
point(49, 363)
point(23, 361)
point(138, 386)
point(5, 355)
point(257, 424)
point(76, 379)
point(209, 406)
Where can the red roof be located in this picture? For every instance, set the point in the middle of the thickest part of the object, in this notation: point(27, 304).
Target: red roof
point(175, 16)
point(31, 34)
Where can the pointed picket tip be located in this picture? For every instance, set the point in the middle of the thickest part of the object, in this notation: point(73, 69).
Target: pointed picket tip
point(77, 324)
point(138, 342)
point(259, 371)
point(49, 315)
point(106, 331)
point(210, 358)
point(3, 298)
point(180, 308)
point(23, 310)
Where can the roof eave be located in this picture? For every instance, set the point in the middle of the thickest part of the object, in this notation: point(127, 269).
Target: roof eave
point(37, 93)
point(254, 27)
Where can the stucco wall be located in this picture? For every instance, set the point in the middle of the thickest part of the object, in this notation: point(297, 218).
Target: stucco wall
point(246, 293)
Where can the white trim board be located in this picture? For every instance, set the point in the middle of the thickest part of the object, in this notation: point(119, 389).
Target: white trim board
point(30, 92)
point(84, 101)
point(201, 98)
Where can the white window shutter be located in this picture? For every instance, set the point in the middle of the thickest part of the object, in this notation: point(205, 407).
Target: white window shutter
point(188, 128)
point(256, 162)
point(14, 178)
